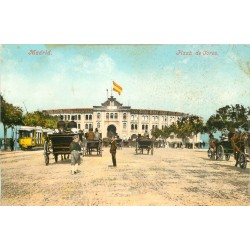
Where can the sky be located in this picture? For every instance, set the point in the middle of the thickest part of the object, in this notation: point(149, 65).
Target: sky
point(152, 76)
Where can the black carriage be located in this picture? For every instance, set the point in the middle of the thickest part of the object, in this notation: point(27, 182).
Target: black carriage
point(224, 149)
point(58, 144)
point(93, 146)
point(144, 144)
point(119, 143)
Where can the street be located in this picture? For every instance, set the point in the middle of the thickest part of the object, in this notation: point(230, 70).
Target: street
point(170, 177)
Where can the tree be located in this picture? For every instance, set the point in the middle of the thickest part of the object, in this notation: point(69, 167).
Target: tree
point(189, 125)
point(228, 117)
point(156, 132)
point(39, 118)
point(10, 116)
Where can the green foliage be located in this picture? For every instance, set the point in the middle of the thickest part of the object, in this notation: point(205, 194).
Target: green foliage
point(10, 116)
point(228, 117)
point(39, 118)
point(189, 125)
point(156, 133)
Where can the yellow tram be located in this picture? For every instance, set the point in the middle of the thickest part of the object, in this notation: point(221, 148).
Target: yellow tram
point(30, 137)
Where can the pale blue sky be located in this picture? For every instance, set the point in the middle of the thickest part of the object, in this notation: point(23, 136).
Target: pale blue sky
point(152, 76)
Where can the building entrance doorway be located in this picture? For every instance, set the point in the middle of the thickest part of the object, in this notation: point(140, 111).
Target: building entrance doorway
point(111, 131)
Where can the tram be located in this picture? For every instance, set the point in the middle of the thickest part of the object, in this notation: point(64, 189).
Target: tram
point(30, 137)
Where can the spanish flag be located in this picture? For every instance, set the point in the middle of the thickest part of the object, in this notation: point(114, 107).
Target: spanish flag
point(117, 88)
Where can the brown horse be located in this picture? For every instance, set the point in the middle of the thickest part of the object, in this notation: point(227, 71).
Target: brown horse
point(238, 143)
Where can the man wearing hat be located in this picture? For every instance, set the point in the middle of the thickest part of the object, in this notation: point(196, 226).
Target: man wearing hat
point(113, 148)
point(75, 150)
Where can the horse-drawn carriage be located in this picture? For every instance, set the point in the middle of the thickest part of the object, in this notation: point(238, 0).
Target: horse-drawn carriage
point(58, 144)
point(93, 146)
point(143, 143)
point(239, 146)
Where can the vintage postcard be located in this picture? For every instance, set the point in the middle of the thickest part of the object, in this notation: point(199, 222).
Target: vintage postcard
point(125, 125)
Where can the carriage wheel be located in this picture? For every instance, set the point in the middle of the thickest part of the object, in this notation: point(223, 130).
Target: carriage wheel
point(220, 152)
point(210, 153)
point(242, 161)
point(227, 157)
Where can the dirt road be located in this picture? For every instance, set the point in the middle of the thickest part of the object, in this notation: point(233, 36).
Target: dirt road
point(170, 177)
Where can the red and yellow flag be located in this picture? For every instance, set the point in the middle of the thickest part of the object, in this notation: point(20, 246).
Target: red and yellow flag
point(117, 88)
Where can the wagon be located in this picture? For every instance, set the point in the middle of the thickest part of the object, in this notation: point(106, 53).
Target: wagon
point(225, 149)
point(57, 144)
point(119, 143)
point(93, 146)
point(143, 143)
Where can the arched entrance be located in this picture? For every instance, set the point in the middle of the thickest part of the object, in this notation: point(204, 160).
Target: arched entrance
point(111, 130)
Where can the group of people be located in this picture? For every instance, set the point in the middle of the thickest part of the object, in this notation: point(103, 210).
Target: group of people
point(75, 150)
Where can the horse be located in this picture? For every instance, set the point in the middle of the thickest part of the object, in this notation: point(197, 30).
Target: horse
point(238, 144)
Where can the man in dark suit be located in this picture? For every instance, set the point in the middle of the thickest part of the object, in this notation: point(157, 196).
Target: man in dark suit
point(113, 150)
point(61, 124)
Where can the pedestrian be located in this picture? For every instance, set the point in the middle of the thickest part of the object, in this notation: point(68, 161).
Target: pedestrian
point(11, 144)
point(75, 150)
point(97, 135)
point(113, 150)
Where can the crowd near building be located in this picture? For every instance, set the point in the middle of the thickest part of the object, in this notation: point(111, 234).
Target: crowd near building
point(114, 118)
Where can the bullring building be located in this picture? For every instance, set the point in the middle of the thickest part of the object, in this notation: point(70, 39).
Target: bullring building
point(114, 118)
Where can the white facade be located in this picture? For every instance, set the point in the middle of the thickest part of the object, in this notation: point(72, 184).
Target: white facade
point(122, 120)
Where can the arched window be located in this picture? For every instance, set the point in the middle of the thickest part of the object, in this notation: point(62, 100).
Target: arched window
point(124, 125)
point(86, 126)
point(132, 117)
point(98, 125)
point(142, 127)
point(135, 126)
point(111, 115)
point(86, 117)
point(98, 115)
point(79, 117)
point(124, 116)
point(116, 116)
point(90, 117)
point(107, 115)
point(132, 127)
point(146, 126)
